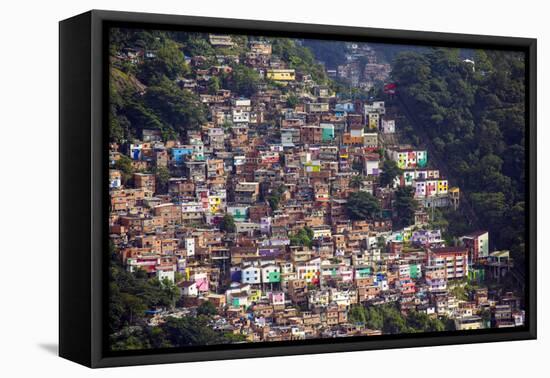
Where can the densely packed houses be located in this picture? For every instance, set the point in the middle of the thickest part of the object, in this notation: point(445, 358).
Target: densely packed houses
point(253, 214)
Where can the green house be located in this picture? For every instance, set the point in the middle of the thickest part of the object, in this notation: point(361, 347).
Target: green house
point(273, 277)
point(363, 272)
point(476, 274)
point(415, 271)
point(327, 134)
point(421, 158)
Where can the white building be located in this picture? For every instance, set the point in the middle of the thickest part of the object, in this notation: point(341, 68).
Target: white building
point(251, 275)
point(388, 126)
point(168, 274)
point(188, 289)
point(190, 246)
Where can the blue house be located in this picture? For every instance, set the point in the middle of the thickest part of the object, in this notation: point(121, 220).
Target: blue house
point(235, 274)
point(343, 108)
point(135, 151)
point(179, 154)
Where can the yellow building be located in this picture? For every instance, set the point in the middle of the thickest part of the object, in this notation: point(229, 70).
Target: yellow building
point(281, 74)
point(407, 234)
point(442, 187)
point(374, 120)
point(214, 203)
point(401, 160)
point(254, 295)
point(454, 195)
point(468, 323)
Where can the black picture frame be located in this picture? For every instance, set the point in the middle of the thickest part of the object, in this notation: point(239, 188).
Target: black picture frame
point(83, 195)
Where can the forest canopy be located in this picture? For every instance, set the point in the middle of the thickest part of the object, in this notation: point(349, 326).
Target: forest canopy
point(474, 113)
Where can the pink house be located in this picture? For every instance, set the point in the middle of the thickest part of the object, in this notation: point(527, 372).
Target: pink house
point(431, 188)
point(201, 279)
point(277, 298)
point(406, 286)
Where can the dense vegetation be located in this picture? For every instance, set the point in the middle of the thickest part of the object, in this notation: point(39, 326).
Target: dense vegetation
point(304, 237)
point(274, 198)
point(132, 294)
point(228, 223)
point(390, 171)
point(475, 117)
point(388, 53)
point(390, 320)
point(362, 206)
point(146, 94)
point(404, 206)
point(331, 53)
point(300, 58)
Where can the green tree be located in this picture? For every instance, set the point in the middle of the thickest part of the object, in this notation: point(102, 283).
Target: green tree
point(124, 164)
point(169, 293)
point(133, 306)
point(228, 223)
point(197, 45)
point(421, 322)
point(299, 57)
point(169, 61)
point(405, 206)
point(492, 205)
point(362, 206)
point(374, 318)
point(242, 80)
point(304, 237)
point(214, 85)
point(390, 171)
point(394, 321)
point(292, 100)
point(474, 114)
point(357, 314)
point(163, 178)
point(207, 308)
point(176, 108)
point(356, 181)
point(274, 197)
point(191, 331)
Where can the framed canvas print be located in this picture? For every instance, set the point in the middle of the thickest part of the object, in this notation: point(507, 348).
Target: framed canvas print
point(233, 188)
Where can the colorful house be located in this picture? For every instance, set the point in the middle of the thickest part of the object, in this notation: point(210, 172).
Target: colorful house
point(201, 279)
point(415, 271)
point(276, 298)
point(409, 158)
point(281, 74)
point(442, 187)
point(374, 121)
point(271, 274)
point(255, 295)
point(363, 272)
point(431, 187)
point(388, 126)
point(238, 212)
point(327, 132)
point(422, 158)
point(215, 203)
point(179, 153)
point(477, 244)
point(313, 166)
point(135, 151)
point(251, 275)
